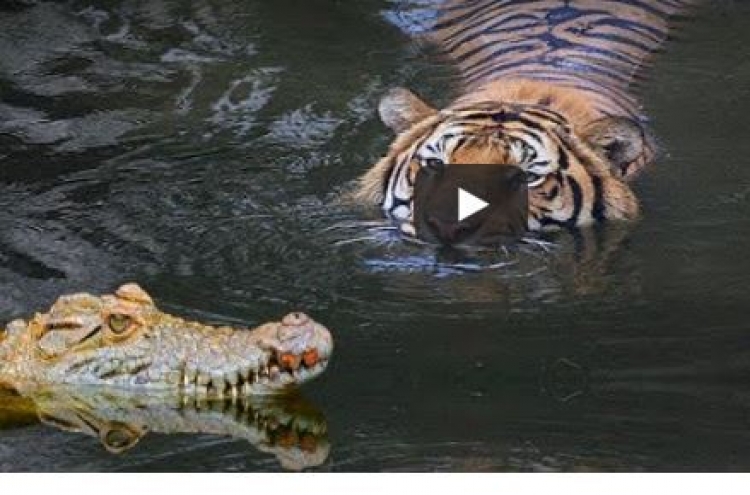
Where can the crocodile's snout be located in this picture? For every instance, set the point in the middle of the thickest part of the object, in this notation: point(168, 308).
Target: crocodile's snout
point(298, 350)
point(123, 340)
point(271, 358)
point(303, 342)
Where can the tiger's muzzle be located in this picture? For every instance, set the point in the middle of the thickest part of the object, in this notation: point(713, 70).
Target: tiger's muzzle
point(436, 209)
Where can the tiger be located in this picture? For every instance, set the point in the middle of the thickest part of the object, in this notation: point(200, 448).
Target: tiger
point(548, 94)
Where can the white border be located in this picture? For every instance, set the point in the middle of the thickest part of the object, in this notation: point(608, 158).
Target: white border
point(362, 484)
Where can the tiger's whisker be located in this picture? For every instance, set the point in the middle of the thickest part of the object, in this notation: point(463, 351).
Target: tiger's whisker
point(544, 245)
point(460, 266)
point(359, 225)
point(355, 240)
point(530, 274)
point(502, 264)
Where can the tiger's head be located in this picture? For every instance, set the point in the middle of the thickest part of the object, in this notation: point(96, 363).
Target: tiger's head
point(555, 164)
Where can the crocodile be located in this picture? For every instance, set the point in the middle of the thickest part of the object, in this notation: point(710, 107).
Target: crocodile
point(287, 427)
point(122, 340)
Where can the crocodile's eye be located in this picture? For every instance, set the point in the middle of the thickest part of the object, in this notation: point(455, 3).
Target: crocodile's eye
point(119, 437)
point(119, 323)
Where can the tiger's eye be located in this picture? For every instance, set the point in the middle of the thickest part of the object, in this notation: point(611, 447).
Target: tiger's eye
point(119, 323)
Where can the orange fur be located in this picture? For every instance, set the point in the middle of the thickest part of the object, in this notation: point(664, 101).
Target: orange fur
point(571, 103)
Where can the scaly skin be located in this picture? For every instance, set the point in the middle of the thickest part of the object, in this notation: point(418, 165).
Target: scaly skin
point(288, 428)
point(124, 341)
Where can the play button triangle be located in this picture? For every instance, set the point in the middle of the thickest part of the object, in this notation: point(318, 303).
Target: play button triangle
point(468, 204)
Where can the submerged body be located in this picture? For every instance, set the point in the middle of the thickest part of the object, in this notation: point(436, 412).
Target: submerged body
point(123, 341)
point(548, 89)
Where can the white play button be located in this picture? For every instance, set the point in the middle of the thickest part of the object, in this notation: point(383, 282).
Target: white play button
point(468, 204)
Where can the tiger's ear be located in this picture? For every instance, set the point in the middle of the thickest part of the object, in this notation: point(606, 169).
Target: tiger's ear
point(625, 143)
point(399, 109)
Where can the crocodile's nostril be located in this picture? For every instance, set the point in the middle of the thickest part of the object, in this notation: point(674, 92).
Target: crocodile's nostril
point(295, 319)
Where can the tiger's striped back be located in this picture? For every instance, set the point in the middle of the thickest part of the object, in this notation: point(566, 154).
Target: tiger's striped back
point(597, 46)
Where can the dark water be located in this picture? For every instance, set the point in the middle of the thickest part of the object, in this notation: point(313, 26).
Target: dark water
point(201, 147)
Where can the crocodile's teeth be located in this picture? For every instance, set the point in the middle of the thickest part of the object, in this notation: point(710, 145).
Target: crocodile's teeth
point(247, 371)
point(274, 372)
point(201, 391)
point(286, 378)
point(232, 378)
point(190, 390)
point(203, 379)
point(172, 377)
point(190, 374)
point(247, 389)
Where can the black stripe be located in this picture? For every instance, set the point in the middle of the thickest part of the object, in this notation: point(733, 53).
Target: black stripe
point(496, 27)
point(544, 222)
point(575, 189)
point(606, 43)
point(555, 63)
point(530, 123)
point(552, 194)
point(563, 161)
point(598, 211)
point(398, 202)
point(544, 113)
point(460, 142)
point(504, 116)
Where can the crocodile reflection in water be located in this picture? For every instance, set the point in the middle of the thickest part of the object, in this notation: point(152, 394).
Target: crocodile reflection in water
point(290, 428)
